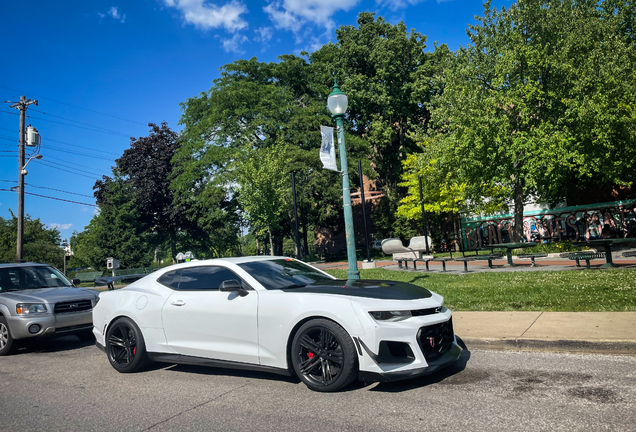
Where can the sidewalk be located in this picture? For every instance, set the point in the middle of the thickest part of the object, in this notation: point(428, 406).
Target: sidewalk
point(574, 332)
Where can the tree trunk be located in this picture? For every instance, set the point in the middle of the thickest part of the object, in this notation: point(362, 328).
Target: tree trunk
point(303, 218)
point(173, 248)
point(271, 242)
point(517, 233)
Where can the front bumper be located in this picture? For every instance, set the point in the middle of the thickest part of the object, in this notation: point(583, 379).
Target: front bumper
point(446, 359)
point(50, 324)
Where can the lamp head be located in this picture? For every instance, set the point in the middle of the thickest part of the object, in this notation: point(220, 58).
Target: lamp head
point(337, 101)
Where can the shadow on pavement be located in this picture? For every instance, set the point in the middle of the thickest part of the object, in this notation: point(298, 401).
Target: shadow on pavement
point(454, 369)
point(65, 343)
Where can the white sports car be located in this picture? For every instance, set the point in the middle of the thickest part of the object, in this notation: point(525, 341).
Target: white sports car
point(279, 315)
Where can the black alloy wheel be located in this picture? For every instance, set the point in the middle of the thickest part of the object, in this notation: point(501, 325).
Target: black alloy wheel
point(323, 356)
point(6, 340)
point(125, 346)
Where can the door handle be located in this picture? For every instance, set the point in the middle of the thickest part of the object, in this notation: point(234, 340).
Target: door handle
point(178, 303)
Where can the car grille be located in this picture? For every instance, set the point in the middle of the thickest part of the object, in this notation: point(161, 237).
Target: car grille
point(436, 339)
point(429, 311)
point(72, 306)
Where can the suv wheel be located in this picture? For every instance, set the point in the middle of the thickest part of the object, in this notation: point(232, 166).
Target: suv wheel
point(6, 341)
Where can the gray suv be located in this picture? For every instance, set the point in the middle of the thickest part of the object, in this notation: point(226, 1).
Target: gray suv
point(36, 300)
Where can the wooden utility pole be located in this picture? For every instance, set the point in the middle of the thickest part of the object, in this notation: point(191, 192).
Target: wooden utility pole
point(22, 106)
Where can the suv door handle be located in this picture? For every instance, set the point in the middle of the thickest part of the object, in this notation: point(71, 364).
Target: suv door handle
point(178, 303)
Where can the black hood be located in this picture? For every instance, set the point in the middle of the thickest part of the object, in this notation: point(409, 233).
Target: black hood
point(379, 289)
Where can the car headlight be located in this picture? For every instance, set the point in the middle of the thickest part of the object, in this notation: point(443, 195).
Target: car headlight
point(391, 316)
point(30, 308)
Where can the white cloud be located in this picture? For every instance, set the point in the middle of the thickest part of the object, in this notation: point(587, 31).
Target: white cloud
point(114, 12)
point(398, 4)
point(264, 34)
point(60, 226)
point(234, 44)
point(205, 15)
point(295, 15)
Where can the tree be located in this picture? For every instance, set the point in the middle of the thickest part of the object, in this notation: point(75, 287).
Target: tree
point(40, 244)
point(543, 95)
point(387, 75)
point(255, 109)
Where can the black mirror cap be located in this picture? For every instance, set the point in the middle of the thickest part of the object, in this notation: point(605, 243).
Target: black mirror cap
point(232, 285)
point(76, 282)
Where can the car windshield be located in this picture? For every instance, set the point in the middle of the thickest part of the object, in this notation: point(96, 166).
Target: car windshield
point(283, 273)
point(26, 277)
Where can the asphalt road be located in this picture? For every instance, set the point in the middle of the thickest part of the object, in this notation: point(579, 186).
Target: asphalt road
point(67, 385)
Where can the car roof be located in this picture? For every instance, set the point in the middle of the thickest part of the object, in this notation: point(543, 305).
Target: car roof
point(23, 264)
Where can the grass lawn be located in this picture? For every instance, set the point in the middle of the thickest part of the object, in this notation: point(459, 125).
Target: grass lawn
point(565, 291)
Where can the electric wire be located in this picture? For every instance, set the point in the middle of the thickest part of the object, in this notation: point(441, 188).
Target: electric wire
point(61, 150)
point(44, 187)
point(75, 121)
point(76, 169)
point(53, 198)
point(72, 172)
point(69, 144)
point(75, 106)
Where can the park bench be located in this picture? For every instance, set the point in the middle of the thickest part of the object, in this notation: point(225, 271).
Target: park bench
point(587, 256)
point(465, 260)
point(629, 254)
point(443, 261)
point(87, 276)
point(488, 257)
point(532, 256)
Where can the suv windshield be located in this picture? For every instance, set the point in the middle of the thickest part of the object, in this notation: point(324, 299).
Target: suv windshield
point(283, 273)
point(25, 277)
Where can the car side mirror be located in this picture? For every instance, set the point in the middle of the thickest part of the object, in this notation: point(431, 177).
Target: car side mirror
point(232, 285)
point(76, 282)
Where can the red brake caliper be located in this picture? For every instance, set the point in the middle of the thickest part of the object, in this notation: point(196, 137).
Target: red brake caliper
point(310, 355)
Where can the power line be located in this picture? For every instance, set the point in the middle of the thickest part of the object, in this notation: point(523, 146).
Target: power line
point(78, 122)
point(69, 144)
point(63, 150)
point(53, 198)
point(78, 107)
point(44, 187)
point(77, 169)
point(72, 172)
point(80, 127)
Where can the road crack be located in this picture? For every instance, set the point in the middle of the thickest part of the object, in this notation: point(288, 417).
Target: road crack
point(530, 325)
point(195, 407)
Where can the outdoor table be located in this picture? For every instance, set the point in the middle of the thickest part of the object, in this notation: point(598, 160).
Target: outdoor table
point(509, 247)
point(607, 244)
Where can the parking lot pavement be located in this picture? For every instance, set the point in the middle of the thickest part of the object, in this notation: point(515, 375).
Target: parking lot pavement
point(67, 385)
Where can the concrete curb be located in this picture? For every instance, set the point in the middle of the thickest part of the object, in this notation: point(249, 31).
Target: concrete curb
point(561, 346)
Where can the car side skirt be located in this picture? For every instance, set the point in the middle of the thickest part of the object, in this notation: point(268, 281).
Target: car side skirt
point(201, 361)
point(447, 359)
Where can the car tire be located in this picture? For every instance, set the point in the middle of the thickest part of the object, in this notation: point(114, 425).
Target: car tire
point(323, 356)
point(6, 340)
point(125, 346)
point(86, 336)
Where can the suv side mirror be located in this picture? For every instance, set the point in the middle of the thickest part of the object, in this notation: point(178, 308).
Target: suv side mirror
point(76, 282)
point(232, 285)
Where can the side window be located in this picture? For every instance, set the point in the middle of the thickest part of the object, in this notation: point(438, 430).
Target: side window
point(204, 278)
point(170, 279)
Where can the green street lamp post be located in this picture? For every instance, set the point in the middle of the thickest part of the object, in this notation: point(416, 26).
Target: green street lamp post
point(337, 103)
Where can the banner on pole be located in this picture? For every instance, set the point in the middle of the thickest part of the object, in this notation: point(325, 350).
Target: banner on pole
point(327, 149)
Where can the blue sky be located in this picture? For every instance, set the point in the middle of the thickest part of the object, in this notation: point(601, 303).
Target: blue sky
point(102, 70)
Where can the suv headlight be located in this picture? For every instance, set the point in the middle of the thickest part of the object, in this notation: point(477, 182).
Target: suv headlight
point(30, 308)
point(391, 316)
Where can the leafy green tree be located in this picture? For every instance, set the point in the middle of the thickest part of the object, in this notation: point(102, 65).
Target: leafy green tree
point(544, 94)
point(257, 108)
point(40, 244)
point(387, 74)
point(116, 231)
